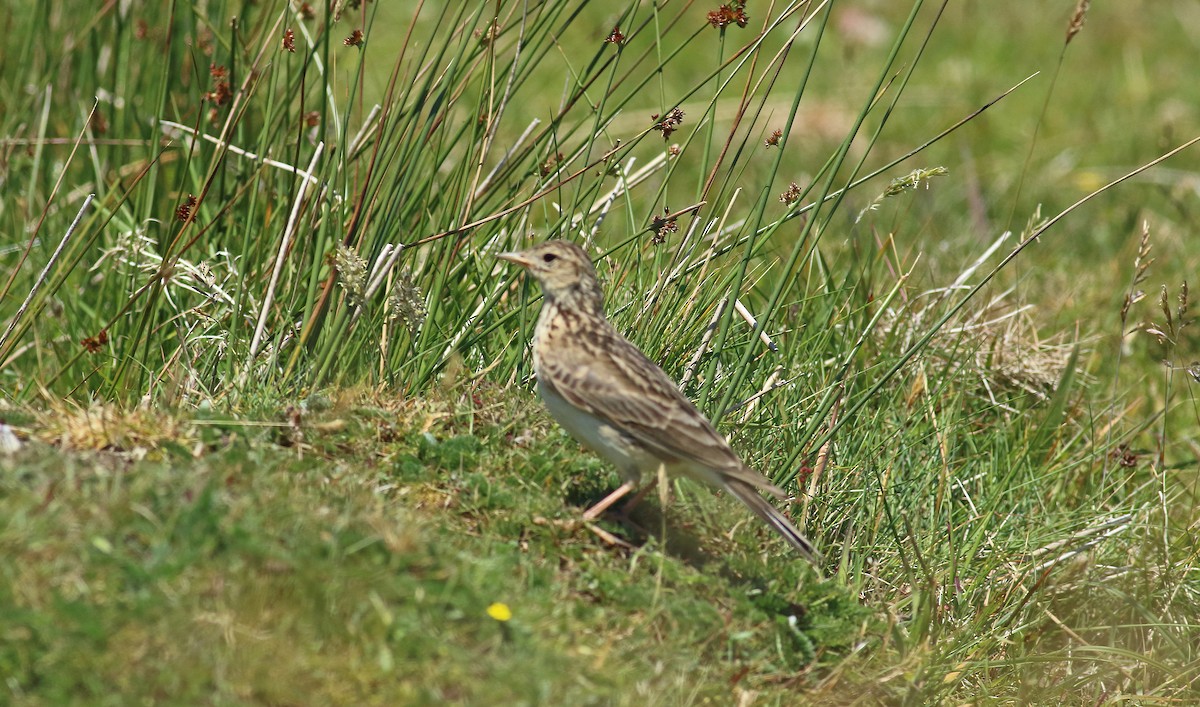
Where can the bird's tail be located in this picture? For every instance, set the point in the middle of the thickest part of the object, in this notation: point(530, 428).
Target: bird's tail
point(749, 495)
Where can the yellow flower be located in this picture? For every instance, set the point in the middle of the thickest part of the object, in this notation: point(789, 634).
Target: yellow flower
point(499, 611)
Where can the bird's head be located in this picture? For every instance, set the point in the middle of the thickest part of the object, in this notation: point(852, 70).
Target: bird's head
point(564, 271)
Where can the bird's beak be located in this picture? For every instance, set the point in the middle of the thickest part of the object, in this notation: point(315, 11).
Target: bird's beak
point(516, 258)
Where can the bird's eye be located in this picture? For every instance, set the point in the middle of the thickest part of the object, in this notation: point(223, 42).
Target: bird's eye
point(549, 258)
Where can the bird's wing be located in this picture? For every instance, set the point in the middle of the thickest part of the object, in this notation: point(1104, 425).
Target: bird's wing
point(616, 382)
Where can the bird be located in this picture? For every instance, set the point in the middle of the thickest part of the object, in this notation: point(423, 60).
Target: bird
point(609, 396)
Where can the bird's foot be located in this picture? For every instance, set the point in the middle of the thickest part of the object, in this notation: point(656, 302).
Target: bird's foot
point(572, 524)
point(607, 536)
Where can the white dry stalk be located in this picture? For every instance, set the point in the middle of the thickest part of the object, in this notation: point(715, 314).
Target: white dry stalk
point(987, 386)
point(687, 247)
point(487, 181)
point(388, 256)
point(1092, 537)
point(589, 240)
point(995, 246)
point(708, 256)
point(306, 174)
point(679, 257)
point(724, 229)
point(37, 284)
point(745, 314)
point(768, 386)
point(628, 181)
point(606, 202)
point(368, 126)
point(966, 494)
point(284, 244)
point(990, 323)
point(705, 342)
point(561, 165)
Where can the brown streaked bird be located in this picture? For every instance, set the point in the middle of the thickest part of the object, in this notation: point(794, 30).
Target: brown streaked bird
point(620, 404)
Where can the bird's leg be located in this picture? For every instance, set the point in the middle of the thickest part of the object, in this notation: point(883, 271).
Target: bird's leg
point(637, 497)
point(605, 503)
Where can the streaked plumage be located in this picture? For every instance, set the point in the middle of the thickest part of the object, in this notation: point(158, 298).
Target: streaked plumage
point(609, 396)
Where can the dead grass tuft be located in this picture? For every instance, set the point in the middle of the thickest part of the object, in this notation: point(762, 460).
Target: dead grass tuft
point(110, 428)
point(1008, 353)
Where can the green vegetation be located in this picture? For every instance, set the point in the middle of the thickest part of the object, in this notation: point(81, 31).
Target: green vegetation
point(267, 431)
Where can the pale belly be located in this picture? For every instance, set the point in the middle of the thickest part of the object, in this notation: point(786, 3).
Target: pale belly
point(610, 443)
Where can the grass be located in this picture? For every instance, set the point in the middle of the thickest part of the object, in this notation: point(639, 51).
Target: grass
point(269, 434)
point(395, 544)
